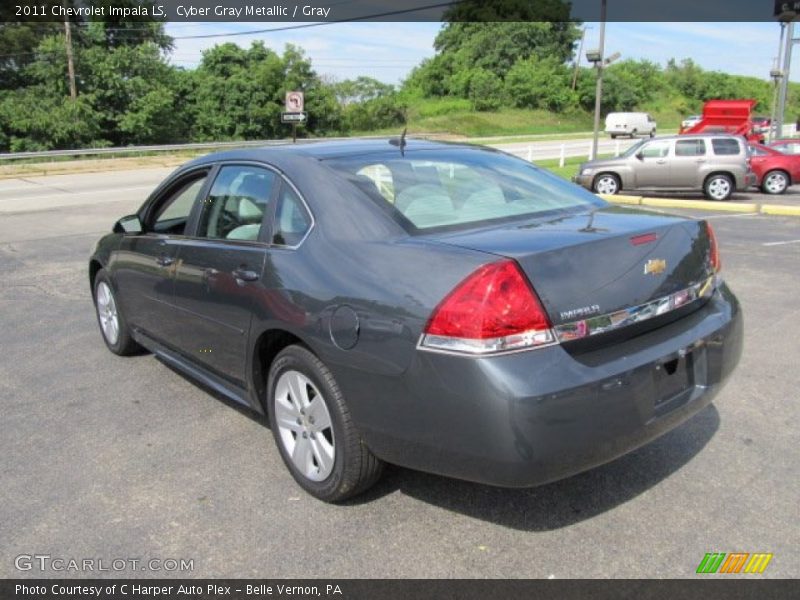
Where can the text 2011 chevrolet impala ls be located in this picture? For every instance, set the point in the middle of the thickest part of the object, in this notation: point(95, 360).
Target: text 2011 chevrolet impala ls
point(443, 307)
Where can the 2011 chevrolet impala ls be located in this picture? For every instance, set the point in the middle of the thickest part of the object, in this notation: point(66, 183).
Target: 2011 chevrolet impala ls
point(442, 307)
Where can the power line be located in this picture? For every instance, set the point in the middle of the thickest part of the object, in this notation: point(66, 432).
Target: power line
point(320, 24)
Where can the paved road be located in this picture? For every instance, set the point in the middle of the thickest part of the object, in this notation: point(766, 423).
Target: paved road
point(108, 457)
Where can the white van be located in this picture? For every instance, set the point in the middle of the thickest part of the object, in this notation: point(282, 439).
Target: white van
point(630, 123)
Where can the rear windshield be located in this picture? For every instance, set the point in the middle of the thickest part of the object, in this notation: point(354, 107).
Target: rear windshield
point(460, 188)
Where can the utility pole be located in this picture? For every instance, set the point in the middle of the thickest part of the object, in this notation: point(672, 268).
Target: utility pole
point(776, 75)
point(73, 91)
point(780, 115)
point(578, 59)
point(598, 98)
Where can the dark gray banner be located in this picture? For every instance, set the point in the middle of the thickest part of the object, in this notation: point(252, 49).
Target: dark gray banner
point(397, 10)
point(734, 588)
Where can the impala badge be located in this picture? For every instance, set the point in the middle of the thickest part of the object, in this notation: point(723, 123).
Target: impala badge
point(655, 266)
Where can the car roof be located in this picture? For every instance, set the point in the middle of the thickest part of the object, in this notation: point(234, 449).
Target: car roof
point(683, 136)
point(321, 150)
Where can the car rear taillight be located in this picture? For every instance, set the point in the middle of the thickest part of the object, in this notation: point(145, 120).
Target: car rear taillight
point(713, 249)
point(495, 309)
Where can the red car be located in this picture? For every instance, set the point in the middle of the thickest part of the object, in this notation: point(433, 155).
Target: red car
point(787, 146)
point(775, 170)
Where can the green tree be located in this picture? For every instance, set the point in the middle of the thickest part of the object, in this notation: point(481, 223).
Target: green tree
point(485, 90)
point(540, 83)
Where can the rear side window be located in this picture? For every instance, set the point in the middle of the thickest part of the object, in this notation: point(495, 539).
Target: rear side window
point(458, 188)
point(690, 148)
point(725, 147)
point(292, 220)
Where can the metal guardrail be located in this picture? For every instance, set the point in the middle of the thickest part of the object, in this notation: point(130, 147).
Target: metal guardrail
point(138, 149)
point(172, 147)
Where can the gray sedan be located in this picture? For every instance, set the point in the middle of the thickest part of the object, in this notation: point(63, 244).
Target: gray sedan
point(442, 307)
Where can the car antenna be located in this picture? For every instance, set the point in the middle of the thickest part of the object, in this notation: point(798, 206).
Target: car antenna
point(401, 142)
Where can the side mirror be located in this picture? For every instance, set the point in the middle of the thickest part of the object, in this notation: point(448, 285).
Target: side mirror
point(129, 224)
point(639, 155)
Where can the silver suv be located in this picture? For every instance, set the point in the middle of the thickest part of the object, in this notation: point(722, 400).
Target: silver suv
point(717, 165)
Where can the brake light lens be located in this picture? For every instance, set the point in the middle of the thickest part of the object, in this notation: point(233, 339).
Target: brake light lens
point(713, 250)
point(494, 309)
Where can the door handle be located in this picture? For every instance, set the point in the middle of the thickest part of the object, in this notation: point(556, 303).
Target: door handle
point(164, 261)
point(660, 162)
point(243, 274)
point(700, 160)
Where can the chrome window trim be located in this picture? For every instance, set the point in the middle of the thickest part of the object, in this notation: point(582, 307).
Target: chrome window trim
point(308, 210)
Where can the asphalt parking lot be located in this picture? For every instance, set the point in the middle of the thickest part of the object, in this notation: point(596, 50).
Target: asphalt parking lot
point(121, 458)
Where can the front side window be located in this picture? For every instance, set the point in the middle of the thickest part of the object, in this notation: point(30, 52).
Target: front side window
point(690, 148)
point(172, 213)
point(655, 150)
point(235, 207)
point(458, 188)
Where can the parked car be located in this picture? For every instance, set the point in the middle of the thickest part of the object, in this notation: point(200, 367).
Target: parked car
point(690, 121)
point(717, 165)
point(447, 308)
point(787, 146)
point(630, 123)
point(774, 170)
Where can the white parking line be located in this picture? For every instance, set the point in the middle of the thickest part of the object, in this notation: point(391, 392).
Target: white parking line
point(753, 214)
point(781, 243)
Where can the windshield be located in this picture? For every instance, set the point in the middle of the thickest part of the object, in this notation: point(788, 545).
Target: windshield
point(633, 149)
point(460, 187)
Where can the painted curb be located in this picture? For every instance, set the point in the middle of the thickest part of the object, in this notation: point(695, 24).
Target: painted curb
point(621, 199)
point(701, 204)
point(736, 207)
point(780, 209)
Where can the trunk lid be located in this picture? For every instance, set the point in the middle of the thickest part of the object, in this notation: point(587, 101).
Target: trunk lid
point(598, 263)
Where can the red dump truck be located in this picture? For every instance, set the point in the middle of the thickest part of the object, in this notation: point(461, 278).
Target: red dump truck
point(729, 116)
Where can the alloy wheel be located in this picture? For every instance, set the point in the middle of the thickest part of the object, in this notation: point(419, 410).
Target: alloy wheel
point(719, 188)
point(305, 426)
point(606, 185)
point(776, 183)
point(107, 313)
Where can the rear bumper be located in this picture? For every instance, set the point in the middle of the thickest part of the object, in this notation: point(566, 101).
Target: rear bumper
point(532, 417)
point(750, 179)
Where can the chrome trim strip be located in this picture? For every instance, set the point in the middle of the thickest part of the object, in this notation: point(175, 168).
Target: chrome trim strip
point(583, 328)
point(574, 330)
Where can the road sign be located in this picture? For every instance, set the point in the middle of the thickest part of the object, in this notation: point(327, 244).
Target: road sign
point(294, 102)
point(294, 117)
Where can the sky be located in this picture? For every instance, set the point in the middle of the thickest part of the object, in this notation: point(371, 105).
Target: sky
point(388, 51)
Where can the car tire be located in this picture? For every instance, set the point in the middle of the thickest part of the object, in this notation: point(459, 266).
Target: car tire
point(313, 430)
point(113, 325)
point(718, 187)
point(606, 183)
point(775, 182)
point(613, 136)
point(653, 133)
point(634, 133)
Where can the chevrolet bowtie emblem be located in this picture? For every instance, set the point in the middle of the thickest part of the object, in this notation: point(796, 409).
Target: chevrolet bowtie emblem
point(655, 266)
